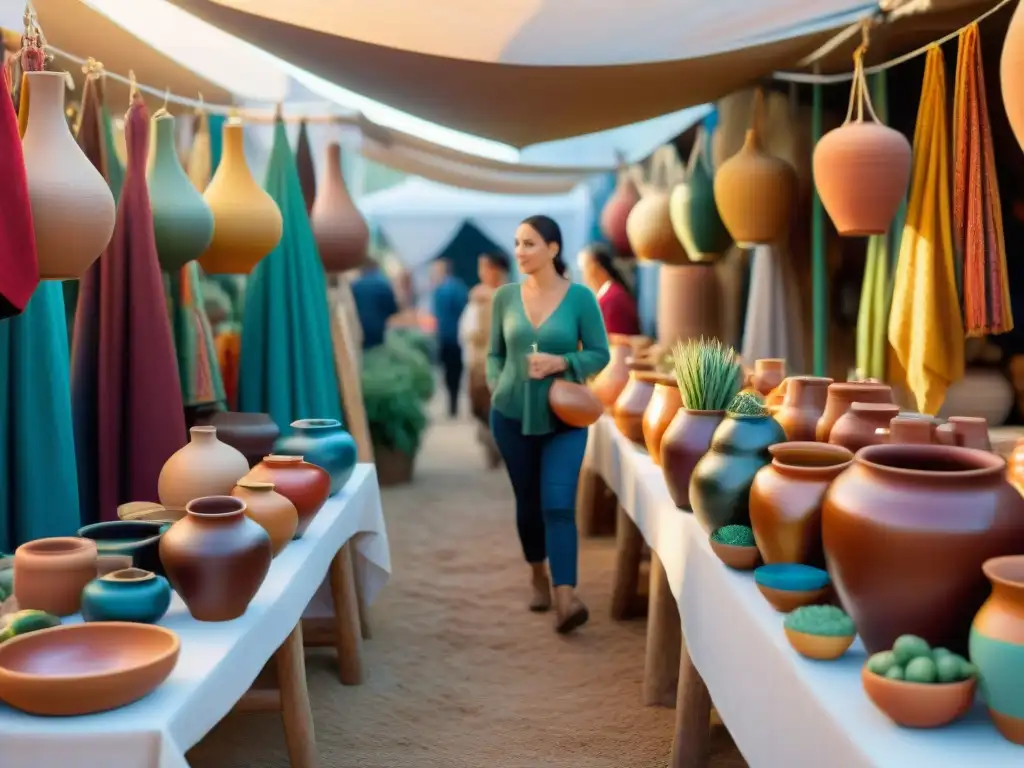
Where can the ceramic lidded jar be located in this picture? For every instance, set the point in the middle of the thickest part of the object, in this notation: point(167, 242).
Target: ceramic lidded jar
point(662, 408)
point(616, 212)
point(247, 223)
point(841, 395)
point(631, 404)
point(50, 574)
point(906, 529)
point(325, 443)
point(684, 443)
point(204, 467)
point(340, 231)
point(786, 498)
point(130, 594)
point(216, 558)
point(270, 509)
point(612, 379)
point(802, 404)
point(73, 212)
point(252, 434)
point(858, 426)
point(305, 485)
point(182, 222)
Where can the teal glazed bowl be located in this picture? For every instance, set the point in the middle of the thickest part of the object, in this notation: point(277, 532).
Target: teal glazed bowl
point(130, 594)
point(788, 586)
point(138, 539)
point(323, 442)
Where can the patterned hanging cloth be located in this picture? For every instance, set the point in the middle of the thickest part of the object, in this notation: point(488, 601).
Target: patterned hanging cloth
point(925, 327)
point(977, 210)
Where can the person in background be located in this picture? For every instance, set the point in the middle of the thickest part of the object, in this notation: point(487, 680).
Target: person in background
point(543, 328)
point(375, 303)
point(450, 299)
point(618, 307)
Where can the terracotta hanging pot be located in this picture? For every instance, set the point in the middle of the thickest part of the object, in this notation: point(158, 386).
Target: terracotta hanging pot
point(182, 222)
point(204, 467)
point(841, 395)
point(684, 443)
point(73, 211)
point(862, 168)
point(859, 426)
point(662, 408)
point(616, 211)
point(247, 223)
point(631, 404)
point(803, 402)
point(1011, 69)
point(756, 192)
point(342, 236)
point(649, 226)
point(692, 210)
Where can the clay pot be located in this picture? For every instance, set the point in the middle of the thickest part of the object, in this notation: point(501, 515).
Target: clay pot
point(768, 374)
point(574, 404)
point(786, 498)
point(204, 467)
point(660, 411)
point(616, 212)
point(856, 428)
point(130, 594)
point(342, 236)
point(629, 408)
point(841, 395)
point(907, 430)
point(50, 574)
point(247, 223)
point(686, 440)
point(820, 647)
point(138, 540)
point(322, 442)
point(689, 303)
point(983, 392)
point(900, 510)
point(721, 481)
point(610, 382)
point(251, 434)
point(965, 432)
point(305, 485)
point(650, 232)
point(694, 215)
point(216, 558)
point(182, 221)
point(802, 403)
point(1011, 64)
point(73, 211)
point(919, 705)
point(737, 558)
point(997, 645)
point(271, 510)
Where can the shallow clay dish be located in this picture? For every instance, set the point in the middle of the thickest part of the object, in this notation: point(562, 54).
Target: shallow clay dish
point(788, 600)
point(919, 705)
point(740, 558)
point(788, 586)
point(820, 647)
point(80, 669)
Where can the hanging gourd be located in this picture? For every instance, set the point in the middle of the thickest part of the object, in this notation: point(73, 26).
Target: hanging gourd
point(616, 211)
point(342, 236)
point(692, 208)
point(247, 224)
point(182, 221)
point(861, 168)
point(1011, 65)
point(649, 226)
point(755, 192)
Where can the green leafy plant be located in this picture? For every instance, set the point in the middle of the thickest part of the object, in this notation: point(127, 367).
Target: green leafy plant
point(708, 373)
point(821, 620)
point(747, 404)
point(410, 349)
point(394, 406)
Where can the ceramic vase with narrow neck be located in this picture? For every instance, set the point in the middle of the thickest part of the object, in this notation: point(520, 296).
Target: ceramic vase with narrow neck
point(73, 212)
point(305, 485)
point(631, 404)
point(649, 229)
point(340, 231)
point(616, 212)
point(325, 443)
point(204, 467)
point(270, 509)
point(662, 408)
point(610, 382)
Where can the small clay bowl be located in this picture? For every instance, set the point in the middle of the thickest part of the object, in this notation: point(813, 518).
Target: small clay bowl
point(820, 647)
point(919, 705)
point(788, 586)
point(740, 558)
point(80, 669)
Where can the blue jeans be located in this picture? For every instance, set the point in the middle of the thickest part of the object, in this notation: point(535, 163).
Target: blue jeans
point(544, 470)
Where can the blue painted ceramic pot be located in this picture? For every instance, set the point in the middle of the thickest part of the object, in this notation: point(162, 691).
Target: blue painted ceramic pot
point(138, 539)
point(322, 442)
point(130, 594)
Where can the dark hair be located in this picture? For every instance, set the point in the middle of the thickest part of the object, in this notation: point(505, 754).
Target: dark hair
point(602, 254)
point(497, 259)
point(549, 232)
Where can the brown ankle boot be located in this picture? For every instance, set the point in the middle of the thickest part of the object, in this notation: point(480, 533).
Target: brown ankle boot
point(570, 612)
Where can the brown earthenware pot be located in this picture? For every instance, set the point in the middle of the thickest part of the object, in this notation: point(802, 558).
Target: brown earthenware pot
point(906, 530)
point(662, 408)
point(206, 466)
point(270, 509)
point(685, 441)
point(786, 497)
point(856, 428)
point(802, 405)
point(216, 558)
point(965, 432)
point(251, 434)
point(305, 485)
point(908, 430)
point(50, 574)
point(768, 374)
point(841, 395)
point(610, 382)
point(629, 408)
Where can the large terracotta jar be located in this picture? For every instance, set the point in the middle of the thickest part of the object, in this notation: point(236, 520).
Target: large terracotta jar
point(803, 402)
point(251, 434)
point(50, 574)
point(216, 558)
point(247, 223)
point(786, 498)
point(841, 395)
point(721, 481)
point(305, 485)
point(859, 426)
point(325, 443)
point(269, 509)
point(73, 211)
point(997, 645)
point(768, 374)
point(662, 408)
point(616, 211)
point(906, 530)
point(689, 303)
point(631, 404)
point(612, 379)
point(684, 443)
point(1011, 65)
point(340, 231)
point(204, 467)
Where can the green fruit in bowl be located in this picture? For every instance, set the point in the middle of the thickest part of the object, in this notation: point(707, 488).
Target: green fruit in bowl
point(921, 670)
point(895, 673)
point(882, 662)
point(909, 647)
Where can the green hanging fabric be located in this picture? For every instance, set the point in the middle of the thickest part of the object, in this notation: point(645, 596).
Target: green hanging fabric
point(287, 358)
point(198, 369)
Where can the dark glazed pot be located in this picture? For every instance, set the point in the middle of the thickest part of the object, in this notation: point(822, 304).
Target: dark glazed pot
point(138, 539)
point(251, 434)
point(322, 442)
point(786, 497)
point(859, 426)
point(906, 530)
point(841, 395)
point(629, 408)
point(131, 594)
point(720, 484)
point(662, 408)
point(803, 402)
point(684, 443)
point(216, 558)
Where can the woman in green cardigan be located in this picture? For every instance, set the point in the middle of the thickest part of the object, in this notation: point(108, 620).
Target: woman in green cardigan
point(545, 327)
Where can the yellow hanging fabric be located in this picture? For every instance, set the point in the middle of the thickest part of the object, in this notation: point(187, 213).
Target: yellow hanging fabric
point(925, 327)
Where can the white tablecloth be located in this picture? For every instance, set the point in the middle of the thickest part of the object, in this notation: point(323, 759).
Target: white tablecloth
point(219, 661)
point(782, 710)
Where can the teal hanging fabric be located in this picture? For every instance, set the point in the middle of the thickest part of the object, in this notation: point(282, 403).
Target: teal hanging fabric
point(287, 358)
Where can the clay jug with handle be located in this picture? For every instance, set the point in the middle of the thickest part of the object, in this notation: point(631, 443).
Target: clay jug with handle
point(340, 231)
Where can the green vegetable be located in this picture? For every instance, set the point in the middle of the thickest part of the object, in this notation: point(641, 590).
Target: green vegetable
point(921, 670)
point(821, 620)
point(948, 668)
point(880, 663)
point(23, 622)
point(909, 647)
point(735, 535)
point(894, 673)
point(747, 404)
point(708, 373)
point(939, 652)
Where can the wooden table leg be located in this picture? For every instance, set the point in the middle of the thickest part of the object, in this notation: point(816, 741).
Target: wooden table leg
point(628, 545)
point(664, 636)
point(587, 493)
point(295, 710)
point(364, 609)
point(692, 743)
point(348, 639)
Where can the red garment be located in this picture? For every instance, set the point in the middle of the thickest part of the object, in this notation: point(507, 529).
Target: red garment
point(619, 310)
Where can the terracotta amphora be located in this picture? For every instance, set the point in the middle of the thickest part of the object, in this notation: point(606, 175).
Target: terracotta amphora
point(662, 408)
point(684, 443)
point(857, 427)
point(803, 402)
point(841, 395)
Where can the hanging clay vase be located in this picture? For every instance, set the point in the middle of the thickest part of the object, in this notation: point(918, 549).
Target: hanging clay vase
point(755, 192)
point(802, 404)
point(684, 443)
point(1011, 67)
point(858, 426)
point(768, 374)
point(271, 510)
point(247, 223)
point(340, 231)
point(73, 211)
point(662, 408)
point(204, 467)
point(692, 210)
point(305, 485)
point(610, 382)
point(616, 211)
point(649, 226)
point(631, 404)
point(841, 395)
point(182, 222)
